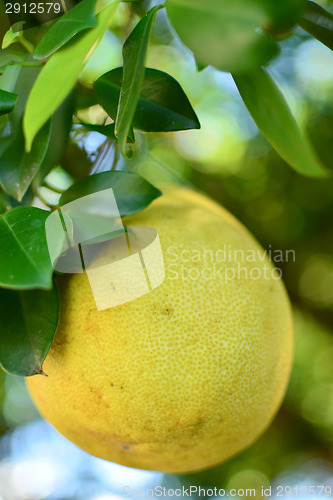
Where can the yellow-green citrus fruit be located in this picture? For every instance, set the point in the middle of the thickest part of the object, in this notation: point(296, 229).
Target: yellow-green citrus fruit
point(187, 375)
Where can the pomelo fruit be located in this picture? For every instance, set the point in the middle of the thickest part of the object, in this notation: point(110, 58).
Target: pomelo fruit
point(187, 375)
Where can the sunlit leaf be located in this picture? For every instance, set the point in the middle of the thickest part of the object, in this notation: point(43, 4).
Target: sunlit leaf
point(59, 75)
point(134, 59)
point(319, 23)
point(27, 334)
point(79, 18)
point(24, 256)
point(273, 117)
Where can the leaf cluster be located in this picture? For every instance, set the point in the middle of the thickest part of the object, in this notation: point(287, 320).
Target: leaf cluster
point(41, 95)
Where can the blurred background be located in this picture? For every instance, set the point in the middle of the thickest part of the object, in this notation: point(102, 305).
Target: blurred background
point(231, 161)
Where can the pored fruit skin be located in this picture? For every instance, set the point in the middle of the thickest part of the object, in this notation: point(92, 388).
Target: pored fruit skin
point(185, 376)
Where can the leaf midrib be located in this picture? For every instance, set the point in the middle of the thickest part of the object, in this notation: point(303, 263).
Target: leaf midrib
point(134, 80)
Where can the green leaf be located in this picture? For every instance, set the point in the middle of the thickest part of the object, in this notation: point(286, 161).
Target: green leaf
point(226, 34)
point(18, 168)
point(27, 334)
point(162, 106)
point(318, 22)
point(273, 117)
point(108, 131)
point(12, 35)
point(14, 55)
point(132, 192)
point(24, 256)
point(79, 18)
point(4, 202)
point(134, 59)
point(7, 102)
point(85, 98)
point(60, 73)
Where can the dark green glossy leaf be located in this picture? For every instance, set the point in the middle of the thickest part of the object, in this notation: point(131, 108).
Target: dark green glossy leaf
point(24, 256)
point(27, 334)
point(108, 131)
point(226, 34)
point(319, 23)
point(18, 168)
point(79, 18)
point(7, 102)
point(162, 106)
point(273, 117)
point(132, 192)
point(59, 75)
point(8, 77)
point(134, 59)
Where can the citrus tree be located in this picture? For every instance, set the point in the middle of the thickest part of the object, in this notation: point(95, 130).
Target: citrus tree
point(57, 82)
